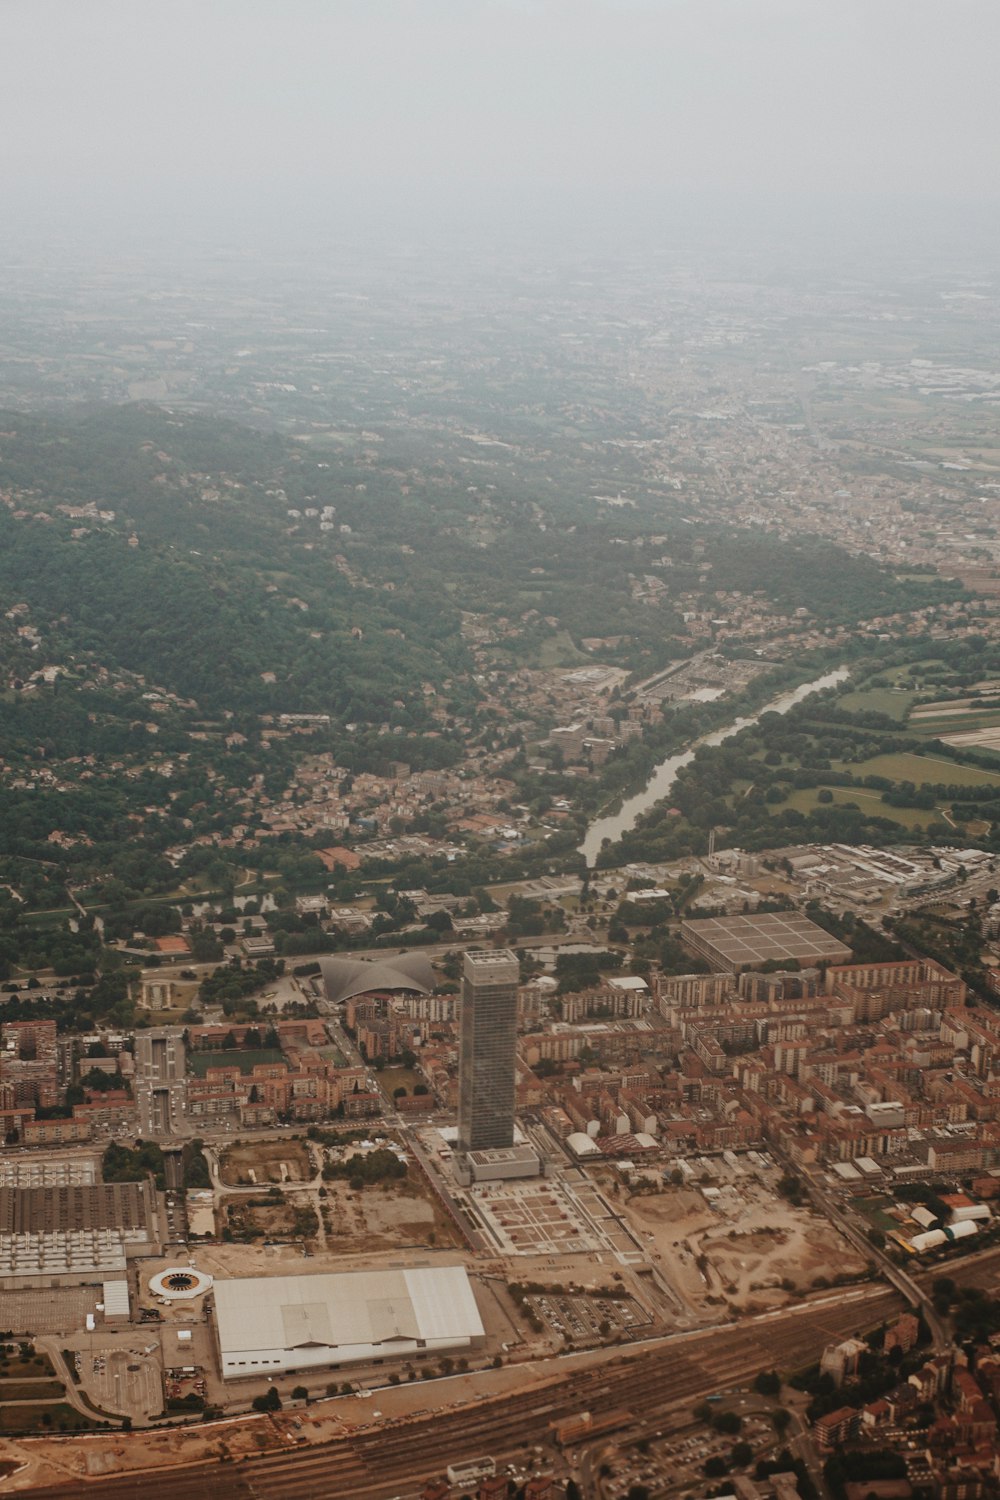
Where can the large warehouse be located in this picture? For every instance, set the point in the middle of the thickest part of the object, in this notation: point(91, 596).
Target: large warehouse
point(735, 943)
point(55, 1232)
point(274, 1324)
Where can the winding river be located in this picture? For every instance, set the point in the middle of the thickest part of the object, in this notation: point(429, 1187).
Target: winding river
point(659, 784)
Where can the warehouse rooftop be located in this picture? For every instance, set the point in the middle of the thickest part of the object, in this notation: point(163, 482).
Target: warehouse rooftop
point(736, 943)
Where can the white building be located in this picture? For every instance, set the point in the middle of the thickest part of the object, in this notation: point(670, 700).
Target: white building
point(269, 1325)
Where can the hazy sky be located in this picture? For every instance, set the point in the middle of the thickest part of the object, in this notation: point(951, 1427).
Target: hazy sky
point(194, 106)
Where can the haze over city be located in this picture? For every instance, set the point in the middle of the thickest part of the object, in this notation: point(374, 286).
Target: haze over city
point(243, 122)
point(500, 750)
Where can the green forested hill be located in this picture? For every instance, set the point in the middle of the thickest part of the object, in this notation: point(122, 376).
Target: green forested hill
point(199, 584)
point(221, 569)
point(170, 584)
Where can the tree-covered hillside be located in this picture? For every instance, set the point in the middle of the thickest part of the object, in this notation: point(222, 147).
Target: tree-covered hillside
point(171, 585)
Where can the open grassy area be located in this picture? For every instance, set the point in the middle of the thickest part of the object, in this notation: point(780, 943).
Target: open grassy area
point(48, 1416)
point(398, 1078)
point(14, 1367)
point(559, 651)
point(200, 1062)
point(164, 1017)
point(874, 1210)
point(917, 768)
point(869, 802)
point(31, 1390)
point(252, 1217)
point(333, 1054)
point(895, 702)
point(901, 677)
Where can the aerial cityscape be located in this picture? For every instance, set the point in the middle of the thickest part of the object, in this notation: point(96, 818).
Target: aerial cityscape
point(499, 753)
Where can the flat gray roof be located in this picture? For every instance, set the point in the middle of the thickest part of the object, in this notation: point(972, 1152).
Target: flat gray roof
point(287, 1322)
point(739, 941)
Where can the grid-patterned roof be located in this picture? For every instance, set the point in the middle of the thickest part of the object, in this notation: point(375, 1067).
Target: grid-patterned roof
point(739, 941)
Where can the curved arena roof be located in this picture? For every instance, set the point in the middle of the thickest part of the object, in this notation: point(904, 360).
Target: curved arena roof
point(582, 1144)
point(346, 977)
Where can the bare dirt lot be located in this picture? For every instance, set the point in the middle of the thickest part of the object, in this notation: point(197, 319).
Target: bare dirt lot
point(265, 1161)
point(383, 1217)
point(272, 1218)
point(751, 1251)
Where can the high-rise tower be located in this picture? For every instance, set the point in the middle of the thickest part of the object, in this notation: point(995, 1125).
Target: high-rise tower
point(487, 1046)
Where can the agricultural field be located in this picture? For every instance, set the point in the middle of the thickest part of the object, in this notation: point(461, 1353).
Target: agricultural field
point(945, 718)
point(986, 738)
point(941, 725)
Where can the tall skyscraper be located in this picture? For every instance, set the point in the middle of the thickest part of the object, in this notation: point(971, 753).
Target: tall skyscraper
point(487, 1045)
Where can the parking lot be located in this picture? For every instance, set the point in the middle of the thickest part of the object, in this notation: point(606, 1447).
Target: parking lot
point(175, 1208)
point(48, 1310)
point(128, 1381)
point(588, 1320)
point(684, 1458)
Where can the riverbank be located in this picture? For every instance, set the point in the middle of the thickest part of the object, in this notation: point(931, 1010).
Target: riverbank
point(612, 827)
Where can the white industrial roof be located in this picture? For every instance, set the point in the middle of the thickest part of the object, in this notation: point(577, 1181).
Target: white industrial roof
point(845, 1170)
point(929, 1241)
point(116, 1303)
point(581, 1144)
point(297, 1320)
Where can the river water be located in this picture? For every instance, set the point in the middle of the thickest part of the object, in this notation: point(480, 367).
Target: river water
point(659, 784)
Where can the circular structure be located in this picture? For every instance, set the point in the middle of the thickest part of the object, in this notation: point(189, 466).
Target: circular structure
point(179, 1283)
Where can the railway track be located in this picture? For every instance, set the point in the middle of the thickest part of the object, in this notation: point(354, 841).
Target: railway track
point(657, 1383)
